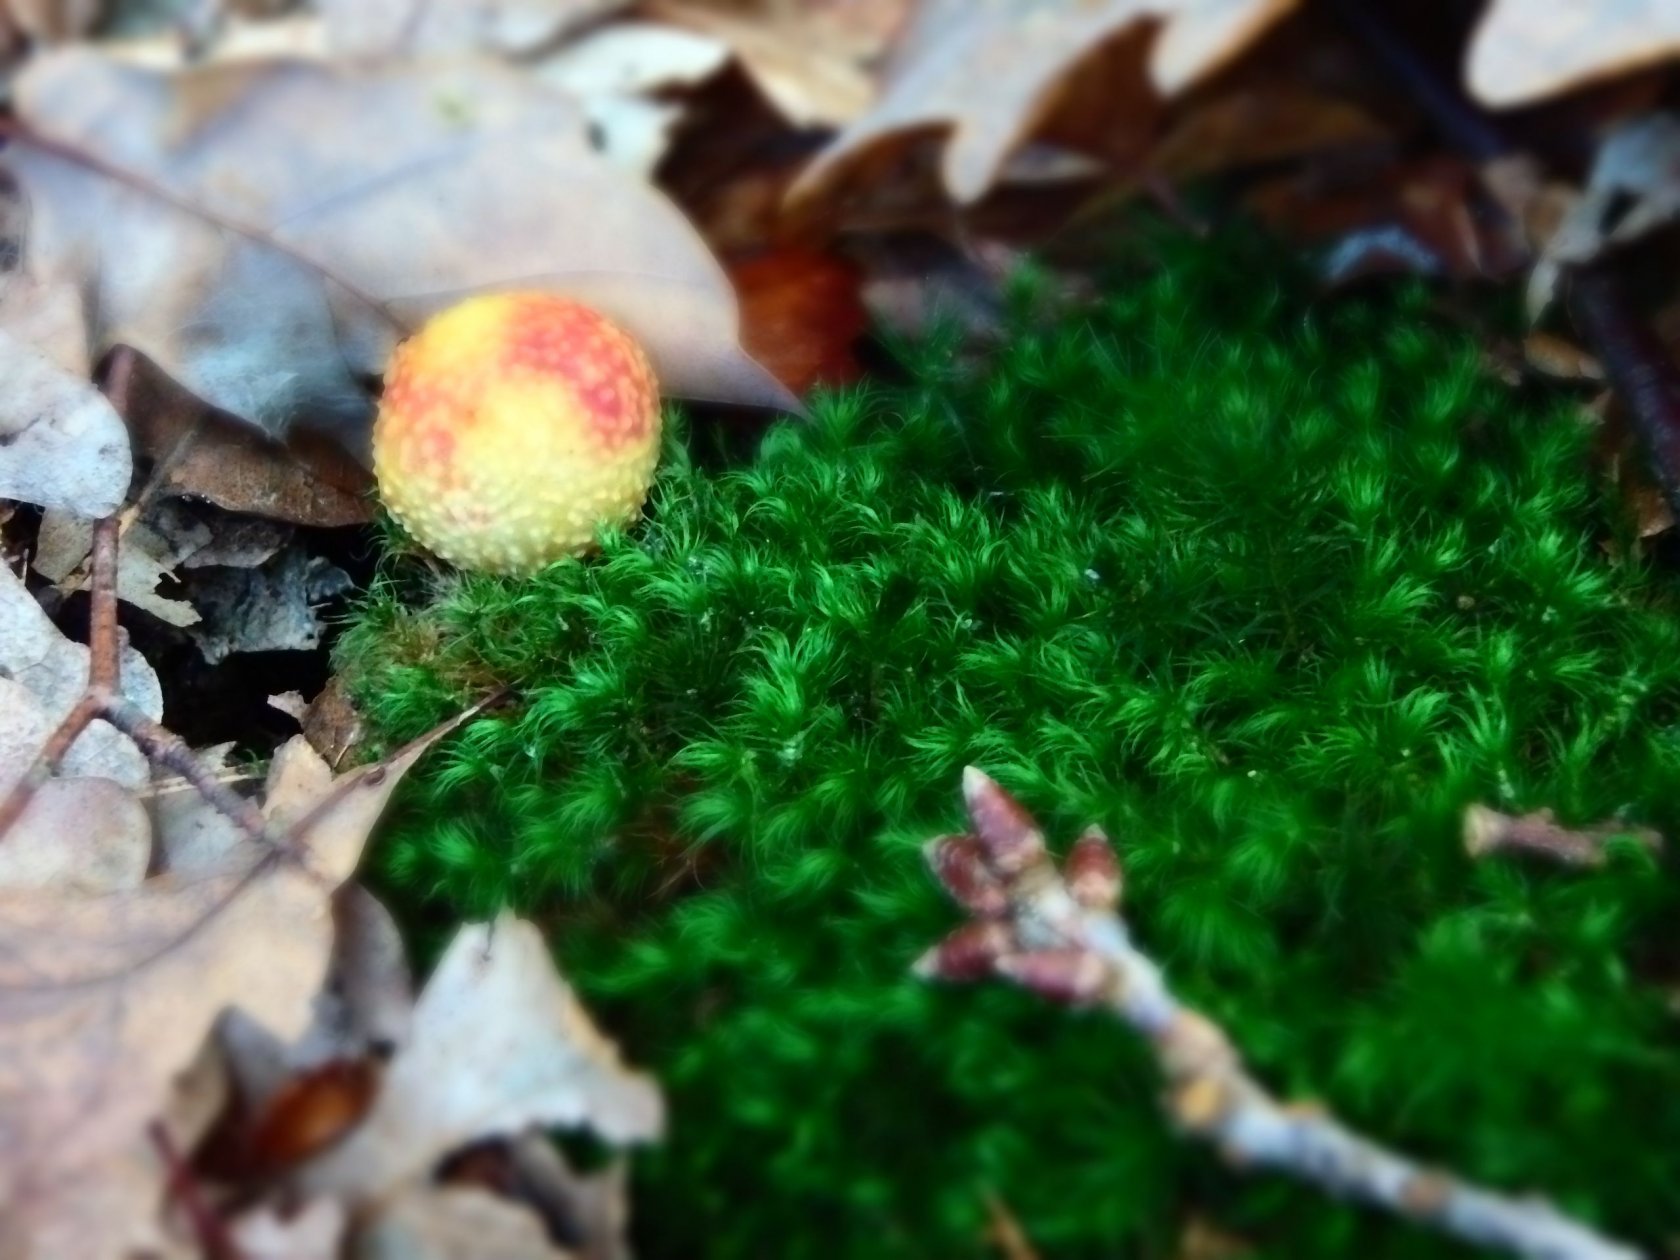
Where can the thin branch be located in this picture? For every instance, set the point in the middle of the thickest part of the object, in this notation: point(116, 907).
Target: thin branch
point(181, 1187)
point(103, 699)
point(165, 748)
point(104, 635)
point(46, 763)
point(1059, 933)
point(1488, 831)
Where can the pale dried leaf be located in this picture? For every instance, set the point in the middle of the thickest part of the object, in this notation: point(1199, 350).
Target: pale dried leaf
point(291, 703)
point(104, 1000)
point(196, 838)
point(314, 1232)
point(594, 1208)
point(236, 38)
point(365, 1009)
point(453, 1223)
point(55, 670)
point(1526, 50)
point(151, 549)
point(988, 71)
point(793, 57)
point(78, 837)
point(54, 19)
point(613, 73)
point(62, 444)
point(499, 1044)
point(1634, 189)
point(265, 232)
point(411, 28)
point(298, 780)
point(121, 1212)
point(24, 728)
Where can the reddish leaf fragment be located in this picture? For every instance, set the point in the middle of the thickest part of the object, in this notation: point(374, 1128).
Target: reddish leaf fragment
point(800, 315)
point(311, 1113)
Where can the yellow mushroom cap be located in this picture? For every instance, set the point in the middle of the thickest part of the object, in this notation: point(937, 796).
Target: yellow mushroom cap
point(512, 428)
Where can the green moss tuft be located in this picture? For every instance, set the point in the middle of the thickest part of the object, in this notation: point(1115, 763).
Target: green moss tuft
point(1269, 590)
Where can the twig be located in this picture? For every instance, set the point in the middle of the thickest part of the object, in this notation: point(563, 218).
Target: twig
point(183, 1189)
point(103, 699)
point(1060, 934)
point(1488, 831)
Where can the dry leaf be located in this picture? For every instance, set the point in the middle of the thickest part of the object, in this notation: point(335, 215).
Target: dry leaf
point(1634, 189)
point(591, 1213)
point(62, 445)
point(316, 1232)
point(54, 20)
point(801, 315)
point(614, 73)
point(55, 670)
point(291, 703)
point(194, 837)
point(332, 725)
point(453, 1223)
point(78, 837)
point(363, 1014)
point(416, 28)
point(104, 1001)
point(499, 1044)
point(265, 232)
point(1525, 50)
point(196, 453)
point(795, 56)
point(270, 608)
point(151, 549)
point(990, 71)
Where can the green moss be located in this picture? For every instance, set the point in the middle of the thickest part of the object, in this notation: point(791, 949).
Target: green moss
point(1271, 590)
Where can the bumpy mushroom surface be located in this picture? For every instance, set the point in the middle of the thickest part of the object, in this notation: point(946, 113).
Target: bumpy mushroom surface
point(513, 427)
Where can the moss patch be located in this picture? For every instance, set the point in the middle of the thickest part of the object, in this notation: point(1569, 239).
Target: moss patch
point(1270, 590)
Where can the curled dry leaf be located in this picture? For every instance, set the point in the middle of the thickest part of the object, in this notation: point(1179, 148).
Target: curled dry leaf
point(191, 451)
point(990, 70)
point(1526, 50)
point(80, 837)
point(62, 444)
point(413, 28)
point(270, 607)
point(55, 670)
point(265, 232)
point(314, 1232)
point(1634, 189)
point(105, 1000)
point(619, 75)
point(151, 549)
point(800, 57)
point(589, 1211)
point(454, 1223)
point(499, 1043)
point(53, 19)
